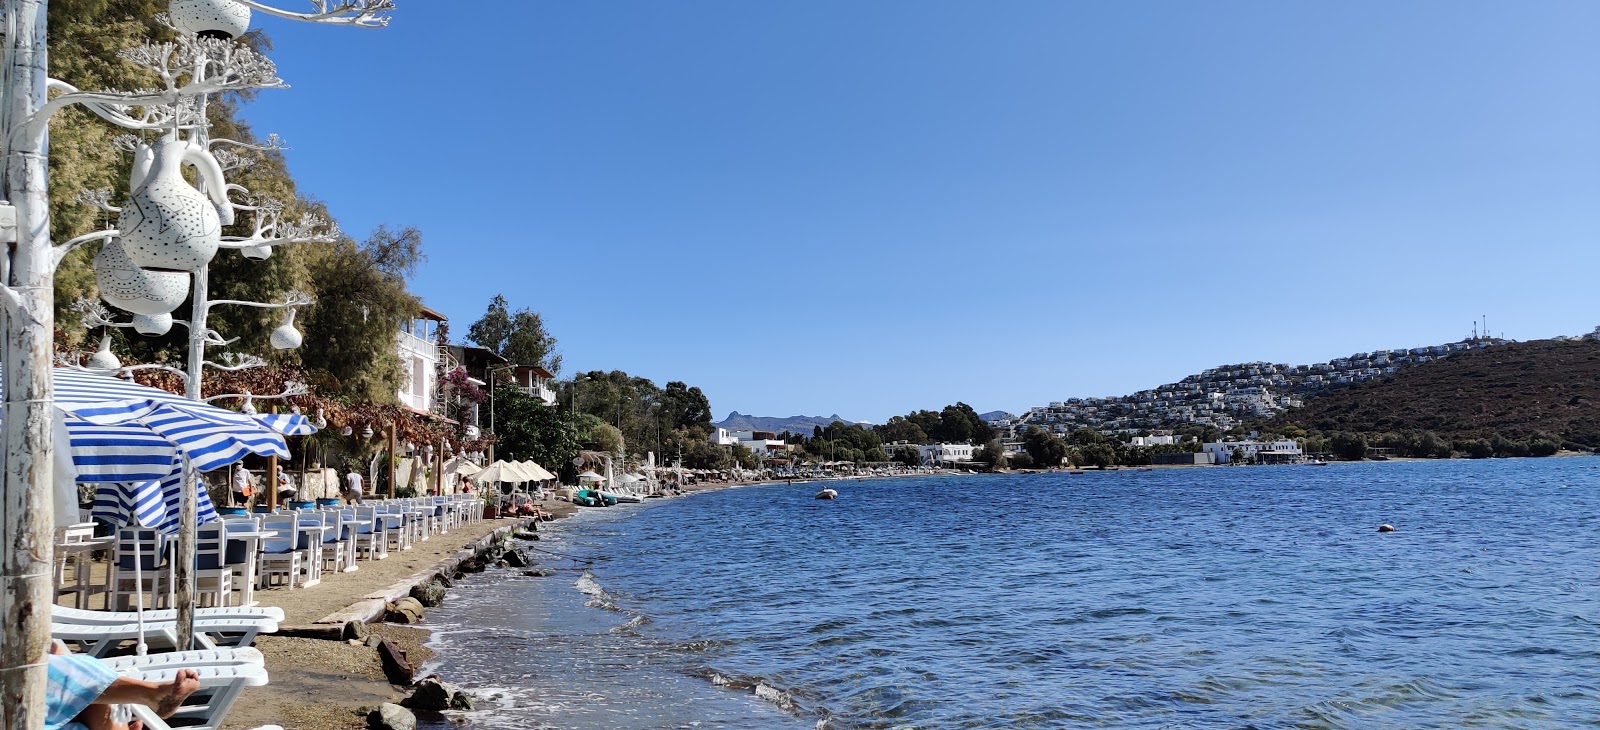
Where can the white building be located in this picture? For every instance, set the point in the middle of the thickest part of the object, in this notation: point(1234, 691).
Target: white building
point(761, 442)
point(1223, 450)
point(1156, 438)
point(934, 454)
point(420, 354)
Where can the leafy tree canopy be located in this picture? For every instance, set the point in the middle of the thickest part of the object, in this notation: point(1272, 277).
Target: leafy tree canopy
point(518, 336)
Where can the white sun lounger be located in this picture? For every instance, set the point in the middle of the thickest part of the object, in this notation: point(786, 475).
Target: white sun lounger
point(192, 659)
point(207, 708)
point(68, 615)
point(100, 639)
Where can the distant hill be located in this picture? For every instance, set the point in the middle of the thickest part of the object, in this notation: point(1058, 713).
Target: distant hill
point(1515, 390)
point(993, 416)
point(737, 421)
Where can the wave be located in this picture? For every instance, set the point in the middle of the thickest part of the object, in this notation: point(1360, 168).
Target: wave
point(598, 597)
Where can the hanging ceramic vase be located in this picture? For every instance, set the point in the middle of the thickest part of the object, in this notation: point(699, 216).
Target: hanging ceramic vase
point(142, 291)
point(167, 224)
point(286, 337)
point(104, 359)
point(211, 18)
point(152, 325)
point(256, 253)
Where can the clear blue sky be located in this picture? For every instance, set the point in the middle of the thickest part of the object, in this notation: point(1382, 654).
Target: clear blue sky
point(872, 207)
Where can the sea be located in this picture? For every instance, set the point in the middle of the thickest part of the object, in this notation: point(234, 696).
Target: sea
point(1226, 597)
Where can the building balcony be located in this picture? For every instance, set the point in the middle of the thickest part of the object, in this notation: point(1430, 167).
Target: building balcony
point(542, 392)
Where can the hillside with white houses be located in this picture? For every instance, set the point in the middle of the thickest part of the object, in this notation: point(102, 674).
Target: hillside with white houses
point(1226, 396)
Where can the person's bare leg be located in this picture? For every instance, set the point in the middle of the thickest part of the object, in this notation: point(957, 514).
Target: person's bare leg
point(163, 698)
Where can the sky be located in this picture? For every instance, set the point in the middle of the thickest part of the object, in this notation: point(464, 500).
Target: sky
point(867, 208)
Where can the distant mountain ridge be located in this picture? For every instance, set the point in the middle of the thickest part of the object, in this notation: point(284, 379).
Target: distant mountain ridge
point(737, 421)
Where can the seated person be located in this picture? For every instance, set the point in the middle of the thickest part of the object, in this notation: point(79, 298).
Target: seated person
point(82, 691)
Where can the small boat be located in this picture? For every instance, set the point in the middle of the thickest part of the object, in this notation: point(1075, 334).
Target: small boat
point(827, 493)
point(628, 498)
point(1317, 462)
point(593, 498)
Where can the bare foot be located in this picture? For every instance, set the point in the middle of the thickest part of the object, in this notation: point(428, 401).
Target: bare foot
point(173, 694)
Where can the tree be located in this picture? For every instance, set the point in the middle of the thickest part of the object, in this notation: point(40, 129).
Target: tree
point(901, 429)
point(683, 406)
point(527, 428)
point(908, 456)
point(992, 453)
point(1349, 446)
point(1098, 455)
point(602, 436)
point(362, 301)
point(1084, 436)
point(518, 336)
point(1043, 447)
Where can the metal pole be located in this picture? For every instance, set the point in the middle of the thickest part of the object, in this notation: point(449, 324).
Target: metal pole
point(491, 416)
point(28, 327)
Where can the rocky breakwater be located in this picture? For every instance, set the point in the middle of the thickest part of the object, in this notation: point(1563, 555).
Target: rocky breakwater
point(406, 603)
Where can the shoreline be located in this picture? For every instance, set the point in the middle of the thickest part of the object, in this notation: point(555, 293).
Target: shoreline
point(325, 683)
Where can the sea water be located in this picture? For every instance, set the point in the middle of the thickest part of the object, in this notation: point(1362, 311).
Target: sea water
point(1210, 597)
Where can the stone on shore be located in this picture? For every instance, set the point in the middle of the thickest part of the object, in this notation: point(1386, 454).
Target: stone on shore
point(461, 701)
point(536, 573)
point(515, 559)
point(428, 594)
point(431, 695)
point(407, 610)
point(355, 630)
point(525, 535)
point(390, 716)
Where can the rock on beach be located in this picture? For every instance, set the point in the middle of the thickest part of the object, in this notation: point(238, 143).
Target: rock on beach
point(390, 716)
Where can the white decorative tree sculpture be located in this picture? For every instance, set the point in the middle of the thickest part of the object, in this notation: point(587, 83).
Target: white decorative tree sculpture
point(203, 61)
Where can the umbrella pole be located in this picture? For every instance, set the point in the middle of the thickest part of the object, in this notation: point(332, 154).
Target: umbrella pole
point(391, 461)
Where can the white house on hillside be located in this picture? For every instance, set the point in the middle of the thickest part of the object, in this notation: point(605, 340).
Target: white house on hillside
point(420, 353)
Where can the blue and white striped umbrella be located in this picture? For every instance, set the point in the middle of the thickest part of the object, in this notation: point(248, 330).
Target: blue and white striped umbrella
point(126, 432)
point(153, 503)
point(129, 434)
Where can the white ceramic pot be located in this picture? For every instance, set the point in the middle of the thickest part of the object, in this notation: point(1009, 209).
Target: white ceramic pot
point(286, 337)
point(257, 253)
point(166, 223)
point(214, 18)
point(152, 325)
point(104, 359)
point(142, 291)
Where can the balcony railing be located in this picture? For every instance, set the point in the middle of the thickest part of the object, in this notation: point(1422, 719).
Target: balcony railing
point(542, 392)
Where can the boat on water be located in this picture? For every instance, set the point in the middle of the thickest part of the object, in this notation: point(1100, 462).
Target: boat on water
point(827, 493)
point(1316, 462)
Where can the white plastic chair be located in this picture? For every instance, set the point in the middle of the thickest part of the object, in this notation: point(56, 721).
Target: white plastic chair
point(147, 575)
point(207, 708)
point(281, 554)
point(213, 576)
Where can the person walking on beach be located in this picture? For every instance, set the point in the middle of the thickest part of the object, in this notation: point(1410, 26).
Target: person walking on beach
point(352, 489)
point(242, 488)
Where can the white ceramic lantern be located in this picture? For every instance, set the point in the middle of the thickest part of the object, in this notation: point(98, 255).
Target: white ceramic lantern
point(167, 224)
point(211, 18)
point(286, 337)
point(256, 253)
point(152, 325)
point(142, 291)
point(104, 359)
